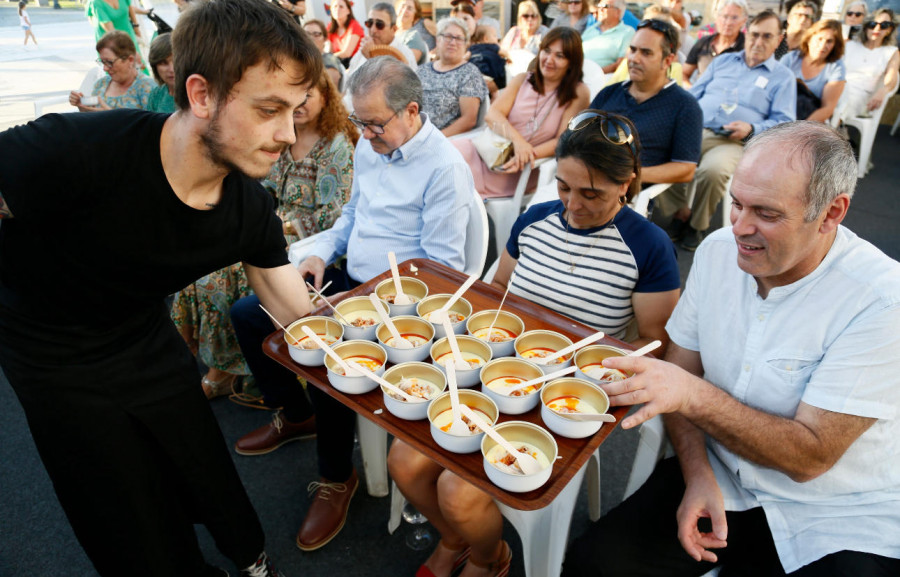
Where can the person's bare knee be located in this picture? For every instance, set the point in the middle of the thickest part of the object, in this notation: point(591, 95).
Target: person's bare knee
point(460, 501)
point(407, 466)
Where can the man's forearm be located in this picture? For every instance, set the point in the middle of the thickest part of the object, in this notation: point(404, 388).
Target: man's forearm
point(689, 443)
point(668, 172)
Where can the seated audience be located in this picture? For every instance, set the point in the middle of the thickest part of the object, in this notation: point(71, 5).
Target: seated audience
point(411, 194)
point(480, 18)
point(587, 256)
point(528, 32)
point(676, 10)
point(310, 182)
point(607, 41)
point(872, 63)
point(344, 31)
point(764, 94)
point(409, 15)
point(819, 66)
point(123, 86)
point(454, 89)
point(382, 25)
point(465, 12)
point(319, 33)
point(668, 119)
point(409, 18)
point(799, 19)
point(532, 112)
point(727, 37)
point(162, 97)
point(854, 16)
point(576, 15)
point(484, 53)
point(785, 432)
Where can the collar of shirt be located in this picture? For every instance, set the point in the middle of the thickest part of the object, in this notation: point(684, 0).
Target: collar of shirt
point(768, 64)
point(408, 147)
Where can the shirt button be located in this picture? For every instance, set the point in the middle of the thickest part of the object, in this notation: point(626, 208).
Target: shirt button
point(746, 368)
point(761, 317)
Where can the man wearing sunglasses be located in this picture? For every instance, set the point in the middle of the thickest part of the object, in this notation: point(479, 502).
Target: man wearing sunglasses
point(741, 94)
point(381, 28)
point(668, 119)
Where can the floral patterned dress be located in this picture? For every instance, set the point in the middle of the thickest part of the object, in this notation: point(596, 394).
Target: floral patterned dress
point(310, 193)
point(137, 95)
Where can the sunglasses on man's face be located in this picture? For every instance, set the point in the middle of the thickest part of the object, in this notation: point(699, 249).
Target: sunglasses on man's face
point(378, 24)
point(882, 25)
point(855, 14)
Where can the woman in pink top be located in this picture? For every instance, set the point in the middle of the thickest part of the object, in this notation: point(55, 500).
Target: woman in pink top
point(532, 112)
point(344, 31)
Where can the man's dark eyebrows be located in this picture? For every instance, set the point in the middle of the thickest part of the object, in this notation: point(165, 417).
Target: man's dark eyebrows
point(273, 100)
point(756, 206)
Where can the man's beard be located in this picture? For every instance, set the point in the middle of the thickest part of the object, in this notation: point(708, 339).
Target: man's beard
point(215, 150)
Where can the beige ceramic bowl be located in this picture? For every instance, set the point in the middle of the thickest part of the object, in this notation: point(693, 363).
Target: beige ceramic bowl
point(507, 324)
point(322, 326)
point(585, 391)
point(405, 409)
point(516, 368)
point(355, 384)
point(520, 432)
point(470, 347)
point(454, 443)
point(411, 286)
point(546, 341)
point(434, 302)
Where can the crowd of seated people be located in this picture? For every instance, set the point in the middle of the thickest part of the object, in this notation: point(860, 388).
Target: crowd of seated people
point(123, 85)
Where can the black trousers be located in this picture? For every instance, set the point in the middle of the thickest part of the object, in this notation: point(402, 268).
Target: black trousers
point(640, 538)
point(135, 454)
point(335, 423)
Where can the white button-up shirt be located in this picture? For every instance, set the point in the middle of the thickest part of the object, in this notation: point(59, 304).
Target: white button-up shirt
point(830, 340)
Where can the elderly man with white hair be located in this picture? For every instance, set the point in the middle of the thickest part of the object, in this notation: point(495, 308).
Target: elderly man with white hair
point(606, 42)
point(730, 19)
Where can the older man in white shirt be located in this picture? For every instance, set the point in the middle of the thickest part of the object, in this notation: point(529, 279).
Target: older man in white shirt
point(382, 27)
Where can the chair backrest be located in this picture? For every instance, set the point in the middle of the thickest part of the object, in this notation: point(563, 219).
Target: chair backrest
point(90, 79)
point(476, 236)
point(594, 77)
point(518, 63)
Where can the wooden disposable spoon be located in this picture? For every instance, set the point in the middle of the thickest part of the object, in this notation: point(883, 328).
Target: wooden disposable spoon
point(280, 326)
point(527, 463)
point(400, 298)
point(399, 341)
point(459, 292)
point(549, 376)
point(490, 332)
point(604, 417)
point(457, 425)
point(648, 348)
point(324, 300)
point(458, 359)
point(573, 347)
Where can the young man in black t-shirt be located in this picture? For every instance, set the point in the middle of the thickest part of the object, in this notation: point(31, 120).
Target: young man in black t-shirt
point(143, 204)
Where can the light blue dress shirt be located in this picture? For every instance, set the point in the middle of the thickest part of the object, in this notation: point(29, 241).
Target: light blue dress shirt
point(829, 340)
point(832, 72)
point(414, 201)
point(767, 93)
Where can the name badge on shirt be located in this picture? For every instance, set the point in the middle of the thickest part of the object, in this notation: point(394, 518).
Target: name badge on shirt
point(761, 81)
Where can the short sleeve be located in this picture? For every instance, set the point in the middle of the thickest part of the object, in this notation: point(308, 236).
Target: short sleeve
point(263, 234)
point(837, 71)
point(694, 55)
point(683, 327)
point(654, 253)
point(472, 82)
point(534, 214)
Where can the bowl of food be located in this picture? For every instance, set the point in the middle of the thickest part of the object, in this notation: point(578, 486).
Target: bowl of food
point(302, 348)
point(502, 468)
point(476, 353)
point(499, 375)
point(367, 354)
point(570, 395)
point(440, 416)
point(589, 361)
point(360, 316)
point(419, 380)
point(503, 336)
point(419, 333)
point(535, 345)
point(459, 312)
point(415, 289)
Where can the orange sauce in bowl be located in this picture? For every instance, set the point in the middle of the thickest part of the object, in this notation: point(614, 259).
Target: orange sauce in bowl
point(309, 344)
point(541, 352)
point(366, 361)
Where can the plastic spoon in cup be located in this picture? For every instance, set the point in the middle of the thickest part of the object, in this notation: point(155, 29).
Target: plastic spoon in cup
point(527, 463)
point(457, 425)
point(604, 417)
point(459, 292)
point(280, 326)
point(324, 300)
point(649, 347)
point(359, 369)
point(573, 347)
point(458, 359)
point(490, 331)
point(400, 298)
point(399, 341)
point(318, 292)
point(549, 376)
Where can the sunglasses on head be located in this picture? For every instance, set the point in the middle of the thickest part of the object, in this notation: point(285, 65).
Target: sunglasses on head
point(855, 14)
point(882, 25)
point(378, 24)
point(613, 130)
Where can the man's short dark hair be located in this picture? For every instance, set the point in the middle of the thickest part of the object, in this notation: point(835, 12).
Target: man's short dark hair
point(670, 35)
point(220, 39)
point(763, 16)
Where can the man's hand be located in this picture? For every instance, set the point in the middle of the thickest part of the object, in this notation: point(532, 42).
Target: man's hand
point(702, 498)
point(739, 129)
point(315, 267)
point(366, 45)
point(663, 387)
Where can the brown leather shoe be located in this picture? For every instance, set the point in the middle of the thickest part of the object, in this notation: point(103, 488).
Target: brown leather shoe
point(271, 436)
point(327, 512)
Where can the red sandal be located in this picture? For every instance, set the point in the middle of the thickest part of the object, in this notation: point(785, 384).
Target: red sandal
point(460, 560)
point(501, 565)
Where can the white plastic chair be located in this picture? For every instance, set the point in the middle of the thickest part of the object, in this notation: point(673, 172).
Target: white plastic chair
point(641, 202)
point(896, 125)
point(519, 61)
point(86, 86)
point(594, 77)
point(868, 128)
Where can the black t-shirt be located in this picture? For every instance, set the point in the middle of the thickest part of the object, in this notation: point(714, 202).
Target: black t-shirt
point(98, 237)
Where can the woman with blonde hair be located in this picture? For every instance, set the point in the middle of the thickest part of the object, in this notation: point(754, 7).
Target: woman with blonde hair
point(576, 16)
point(528, 32)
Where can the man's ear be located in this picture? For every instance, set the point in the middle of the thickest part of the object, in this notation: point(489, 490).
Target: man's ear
point(835, 213)
point(199, 97)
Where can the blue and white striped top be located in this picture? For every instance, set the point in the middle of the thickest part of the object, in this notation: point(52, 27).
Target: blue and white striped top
point(626, 255)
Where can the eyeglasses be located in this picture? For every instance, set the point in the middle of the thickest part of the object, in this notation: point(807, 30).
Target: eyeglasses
point(529, 16)
point(450, 38)
point(602, 6)
point(315, 33)
point(571, 2)
point(108, 63)
point(855, 14)
point(613, 130)
point(379, 24)
point(805, 15)
point(373, 126)
point(766, 36)
point(882, 25)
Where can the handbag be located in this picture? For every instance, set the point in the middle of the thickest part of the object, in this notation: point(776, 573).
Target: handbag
point(807, 102)
point(494, 150)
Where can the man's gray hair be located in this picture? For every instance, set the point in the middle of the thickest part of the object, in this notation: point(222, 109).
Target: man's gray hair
point(865, 7)
point(400, 83)
point(385, 7)
point(821, 151)
point(443, 23)
point(621, 5)
point(742, 4)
